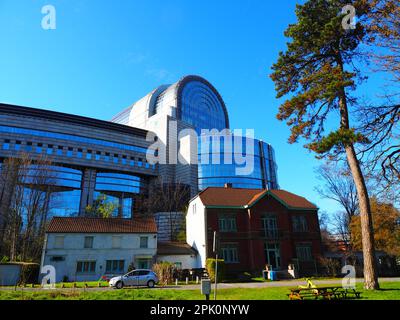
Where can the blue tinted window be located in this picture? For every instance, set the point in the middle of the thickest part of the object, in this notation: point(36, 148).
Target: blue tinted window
point(117, 182)
point(70, 137)
point(119, 189)
point(201, 107)
point(215, 168)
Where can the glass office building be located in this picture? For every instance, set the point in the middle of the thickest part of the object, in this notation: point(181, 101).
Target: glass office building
point(249, 164)
point(70, 163)
point(194, 102)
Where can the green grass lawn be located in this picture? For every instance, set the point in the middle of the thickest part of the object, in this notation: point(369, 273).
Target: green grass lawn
point(389, 291)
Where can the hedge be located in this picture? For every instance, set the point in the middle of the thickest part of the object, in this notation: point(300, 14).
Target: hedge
point(210, 265)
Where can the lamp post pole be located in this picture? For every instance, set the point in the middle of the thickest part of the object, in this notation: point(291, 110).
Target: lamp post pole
point(215, 249)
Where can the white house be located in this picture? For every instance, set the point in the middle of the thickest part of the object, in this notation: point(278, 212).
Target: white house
point(196, 230)
point(182, 255)
point(85, 249)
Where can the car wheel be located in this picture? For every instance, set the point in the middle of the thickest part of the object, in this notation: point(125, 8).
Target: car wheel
point(119, 285)
point(151, 284)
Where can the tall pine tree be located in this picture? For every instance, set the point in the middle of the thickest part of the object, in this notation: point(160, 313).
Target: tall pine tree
point(317, 74)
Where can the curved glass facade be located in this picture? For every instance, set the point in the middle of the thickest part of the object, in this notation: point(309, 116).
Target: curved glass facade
point(216, 167)
point(120, 189)
point(201, 107)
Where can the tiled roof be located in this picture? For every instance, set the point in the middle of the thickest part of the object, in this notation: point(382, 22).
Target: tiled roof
point(101, 225)
point(238, 197)
point(293, 200)
point(229, 197)
point(174, 248)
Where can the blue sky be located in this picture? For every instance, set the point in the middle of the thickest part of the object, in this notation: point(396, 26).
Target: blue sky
point(104, 55)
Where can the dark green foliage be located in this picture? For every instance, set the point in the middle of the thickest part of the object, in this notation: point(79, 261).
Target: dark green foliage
point(337, 139)
point(316, 71)
point(29, 273)
point(210, 265)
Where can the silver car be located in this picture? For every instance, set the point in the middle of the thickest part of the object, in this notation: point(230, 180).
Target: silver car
point(138, 277)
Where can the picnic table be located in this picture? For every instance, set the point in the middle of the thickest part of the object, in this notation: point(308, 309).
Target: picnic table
point(322, 292)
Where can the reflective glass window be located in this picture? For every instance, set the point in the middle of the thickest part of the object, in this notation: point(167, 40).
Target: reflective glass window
point(120, 189)
point(6, 145)
point(70, 137)
point(201, 107)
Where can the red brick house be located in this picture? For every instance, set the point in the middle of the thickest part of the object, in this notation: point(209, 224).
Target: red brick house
point(255, 227)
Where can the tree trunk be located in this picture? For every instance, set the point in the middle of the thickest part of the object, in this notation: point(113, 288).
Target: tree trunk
point(367, 232)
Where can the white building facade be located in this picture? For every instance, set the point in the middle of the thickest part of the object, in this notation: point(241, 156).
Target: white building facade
point(86, 249)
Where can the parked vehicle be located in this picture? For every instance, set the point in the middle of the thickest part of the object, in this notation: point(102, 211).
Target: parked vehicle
point(138, 277)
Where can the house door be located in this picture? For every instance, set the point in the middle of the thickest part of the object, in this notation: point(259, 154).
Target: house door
point(272, 255)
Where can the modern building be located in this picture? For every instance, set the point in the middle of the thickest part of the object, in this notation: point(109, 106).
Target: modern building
point(255, 228)
point(83, 161)
point(215, 171)
point(194, 103)
point(86, 249)
point(80, 160)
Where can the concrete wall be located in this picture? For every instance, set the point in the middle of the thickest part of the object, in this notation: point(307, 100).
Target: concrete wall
point(9, 274)
point(74, 251)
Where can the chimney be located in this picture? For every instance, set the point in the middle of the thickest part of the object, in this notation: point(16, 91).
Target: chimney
point(228, 185)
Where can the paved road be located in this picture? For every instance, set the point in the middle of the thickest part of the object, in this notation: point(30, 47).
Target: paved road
point(283, 283)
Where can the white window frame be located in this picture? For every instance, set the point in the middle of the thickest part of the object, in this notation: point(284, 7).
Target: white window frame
point(147, 242)
point(227, 223)
point(116, 242)
point(59, 242)
point(300, 223)
point(229, 252)
point(304, 252)
point(85, 246)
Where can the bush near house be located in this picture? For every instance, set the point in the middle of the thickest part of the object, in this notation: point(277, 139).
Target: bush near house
point(29, 273)
point(210, 265)
point(330, 266)
point(165, 272)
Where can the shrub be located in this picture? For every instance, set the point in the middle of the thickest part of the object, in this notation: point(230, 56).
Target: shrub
point(29, 273)
point(165, 272)
point(331, 266)
point(4, 259)
point(210, 265)
point(131, 267)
